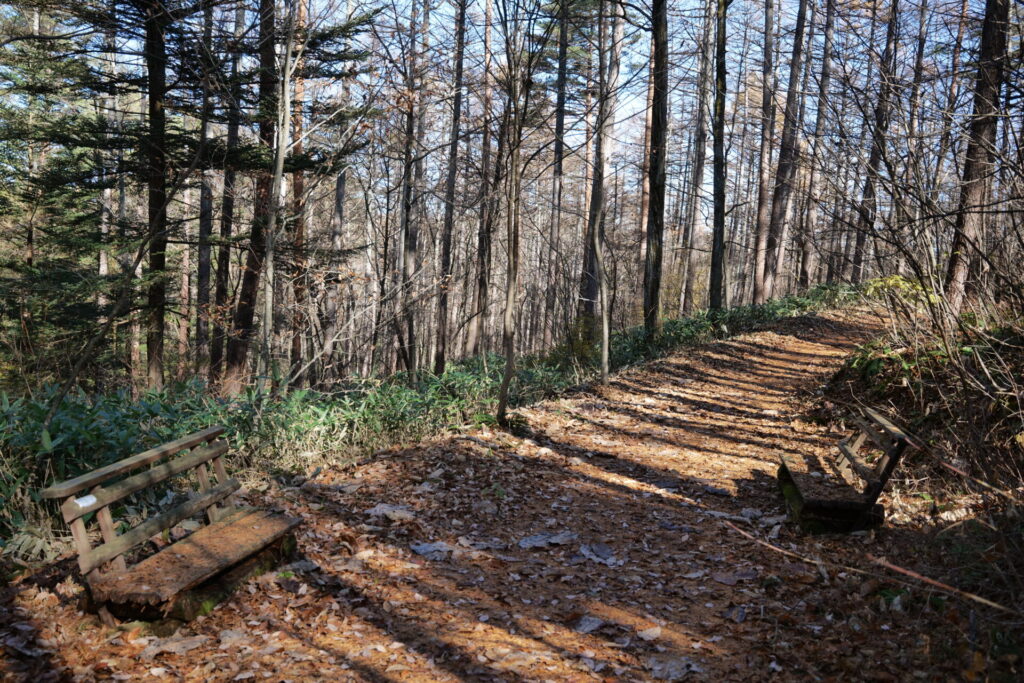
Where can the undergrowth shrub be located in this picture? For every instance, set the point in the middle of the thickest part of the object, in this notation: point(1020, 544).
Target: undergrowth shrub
point(302, 429)
point(957, 386)
point(965, 400)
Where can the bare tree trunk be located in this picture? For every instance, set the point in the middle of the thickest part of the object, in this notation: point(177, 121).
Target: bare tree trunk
point(764, 171)
point(157, 21)
point(980, 155)
point(656, 165)
point(949, 111)
point(867, 208)
point(449, 194)
point(824, 82)
point(245, 310)
point(202, 352)
point(788, 158)
point(594, 281)
point(717, 285)
point(227, 217)
point(645, 159)
point(184, 293)
point(554, 272)
point(409, 229)
point(272, 328)
point(474, 332)
point(704, 82)
point(298, 315)
point(520, 66)
point(512, 216)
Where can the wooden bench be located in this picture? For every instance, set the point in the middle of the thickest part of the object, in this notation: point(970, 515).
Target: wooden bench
point(176, 581)
point(848, 502)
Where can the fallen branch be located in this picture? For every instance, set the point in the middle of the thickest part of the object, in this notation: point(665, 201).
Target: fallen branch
point(888, 565)
point(942, 586)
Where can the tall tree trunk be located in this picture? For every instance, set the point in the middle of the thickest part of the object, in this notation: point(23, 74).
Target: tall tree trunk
point(475, 330)
point(331, 307)
point(512, 217)
point(704, 83)
point(409, 231)
point(764, 189)
point(245, 310)
point(333, 294)
point(299, 321)
point(587, 314)
point(184, 293)
point(717, 285)
point(272, 327)
point(593, 281)
point(645, 159)
point(824, 82)
point(157, 21)
point(205, 207)
point(949, 111)
point(449, 194)
point(554, 272)
point(867, 208)
point(227, 216)
point(788, 157)
point(657, 167)
point(980, 155)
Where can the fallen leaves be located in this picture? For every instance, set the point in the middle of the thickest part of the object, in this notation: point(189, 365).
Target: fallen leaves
point(437, 551)
point(545, 539)
point(671, 668)
point(395, 513)
point(649, 634)
point(592, 547)
point(174, 645)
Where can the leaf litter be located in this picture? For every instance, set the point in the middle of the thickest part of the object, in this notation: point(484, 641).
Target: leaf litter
point(545, 555)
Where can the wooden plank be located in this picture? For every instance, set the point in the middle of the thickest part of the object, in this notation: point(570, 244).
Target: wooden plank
point(895, 432)
point(880, 440)
point(74, 508)
point(848, 457)
point(81, 537)
point(203, 476)
point(222, 476)
point(845, 468)
point(888, 466)
point(109, 534)
point(858, 441)
point(202, 599)
point(155, 525)
point(98, 476)
point(192, 560)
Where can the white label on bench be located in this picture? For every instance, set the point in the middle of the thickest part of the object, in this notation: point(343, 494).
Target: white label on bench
point(85, 501)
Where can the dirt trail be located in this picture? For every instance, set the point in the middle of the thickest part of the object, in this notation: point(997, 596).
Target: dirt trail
point(601, 543)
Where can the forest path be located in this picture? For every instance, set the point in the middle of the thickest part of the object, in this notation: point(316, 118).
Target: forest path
point(598, 545)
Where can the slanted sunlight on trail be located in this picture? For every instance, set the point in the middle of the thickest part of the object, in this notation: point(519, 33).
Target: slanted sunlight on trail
point(598, 543)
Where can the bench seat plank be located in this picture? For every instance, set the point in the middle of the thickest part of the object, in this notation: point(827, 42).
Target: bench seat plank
point(194, 559)
point(154, 525)
point(820, 488)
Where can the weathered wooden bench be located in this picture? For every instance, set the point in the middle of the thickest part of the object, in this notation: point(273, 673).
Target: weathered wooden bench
point(188, 576)
point(847, 502)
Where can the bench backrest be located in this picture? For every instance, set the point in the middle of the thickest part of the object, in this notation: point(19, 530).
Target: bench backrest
point(888, 438)
point(164, 462)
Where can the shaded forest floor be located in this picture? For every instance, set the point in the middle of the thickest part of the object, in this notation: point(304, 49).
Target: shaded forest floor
point(622, 534)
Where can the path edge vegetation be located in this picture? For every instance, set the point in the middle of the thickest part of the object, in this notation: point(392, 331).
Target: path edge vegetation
point(296, 432)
